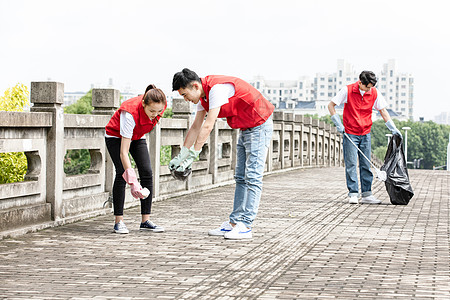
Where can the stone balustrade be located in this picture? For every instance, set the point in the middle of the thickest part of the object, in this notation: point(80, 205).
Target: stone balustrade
point(49, 197)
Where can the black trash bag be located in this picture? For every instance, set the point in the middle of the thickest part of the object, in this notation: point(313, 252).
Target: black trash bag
point(397, 182)
point(182, 176)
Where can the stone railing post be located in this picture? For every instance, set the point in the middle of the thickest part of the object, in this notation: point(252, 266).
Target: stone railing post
point(289, 120)
point(234, 140)
point(299, 120)
point(182, 110)
point(335, 146)
point(269, 158)
point(154, 144)
point(322, 139)
point(278, 116)
point(106, 102)
point(308, 125)
point(315, 128)
point(213, 151)
point(327, 131)
point(49, 97)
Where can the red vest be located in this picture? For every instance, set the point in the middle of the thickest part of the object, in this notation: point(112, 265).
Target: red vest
point(358, 110)
point(143, 123)
point(246, 109)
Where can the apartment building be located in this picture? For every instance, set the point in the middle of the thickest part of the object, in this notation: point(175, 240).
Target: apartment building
point(308, 95)
point(397, 88)
point(443, 118)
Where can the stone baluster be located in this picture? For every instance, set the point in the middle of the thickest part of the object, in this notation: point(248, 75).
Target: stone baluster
point(49, 97)
point(106, 102)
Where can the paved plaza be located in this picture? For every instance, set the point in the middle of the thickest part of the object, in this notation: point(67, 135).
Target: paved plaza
point(308, 243)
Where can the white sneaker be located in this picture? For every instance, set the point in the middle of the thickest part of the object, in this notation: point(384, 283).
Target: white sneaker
point(353, 200)
point(120, 227)
point(224, 228)
point(239, 231)
point(370, 200)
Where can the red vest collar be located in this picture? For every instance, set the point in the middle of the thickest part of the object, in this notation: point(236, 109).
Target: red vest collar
point(355, 89)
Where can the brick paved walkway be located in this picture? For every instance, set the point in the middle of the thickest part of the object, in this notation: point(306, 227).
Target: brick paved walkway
point(308, 244)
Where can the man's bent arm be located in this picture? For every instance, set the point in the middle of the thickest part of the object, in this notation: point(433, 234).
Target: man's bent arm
point(206, 129)
point(331, 108)
point(194, 131)
point(384, 114)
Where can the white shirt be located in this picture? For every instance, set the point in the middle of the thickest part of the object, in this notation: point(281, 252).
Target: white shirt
point(127, 125)
point(218, 96)
point(342, 96)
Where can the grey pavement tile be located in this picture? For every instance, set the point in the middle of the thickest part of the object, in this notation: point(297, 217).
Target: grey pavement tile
point(309, 243)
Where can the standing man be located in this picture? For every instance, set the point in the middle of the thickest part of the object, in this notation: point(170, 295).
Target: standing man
point(359, 99)
point(245, 108)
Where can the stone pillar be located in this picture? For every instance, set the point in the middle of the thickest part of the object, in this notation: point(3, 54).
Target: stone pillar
point(106, 102)
point(49, 97)
point(278, 117)
point(308, 124)
point(234, 140)
point(289, 121)
point(299, 119)
point(335, 146)
point(213, 151)
point(181, 109)
point(154, 145)
point(448, 154)
point(327, 131)
point(322, 139)
point(315, 127)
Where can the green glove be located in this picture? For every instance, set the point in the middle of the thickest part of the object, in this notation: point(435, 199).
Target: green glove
point(337, 121)
point(175, 162)
point(391, 126)
point(187, 162)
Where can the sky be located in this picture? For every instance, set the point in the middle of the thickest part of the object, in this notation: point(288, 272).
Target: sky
point(138, 42)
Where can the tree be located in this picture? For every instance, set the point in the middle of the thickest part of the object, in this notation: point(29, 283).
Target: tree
point(327, 119)
point(426, 140)
point(13, 164)
point(82, 106)
point(168, 113)
point(166, 151)
point(78, 161)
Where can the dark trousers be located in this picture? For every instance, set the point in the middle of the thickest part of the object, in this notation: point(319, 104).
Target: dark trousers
point(139, 152)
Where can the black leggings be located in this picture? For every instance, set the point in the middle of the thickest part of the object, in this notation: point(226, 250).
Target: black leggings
point(139, 152)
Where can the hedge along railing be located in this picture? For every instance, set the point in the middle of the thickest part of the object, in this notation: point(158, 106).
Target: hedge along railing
point(49, 197)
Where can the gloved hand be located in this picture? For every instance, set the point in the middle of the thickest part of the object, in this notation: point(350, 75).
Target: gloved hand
point(337, 121)
point(391, 126)
point(130, 177)
point(187, 162)
point(175, 162)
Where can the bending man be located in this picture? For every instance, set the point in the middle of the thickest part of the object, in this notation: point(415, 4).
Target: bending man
point(245, 108)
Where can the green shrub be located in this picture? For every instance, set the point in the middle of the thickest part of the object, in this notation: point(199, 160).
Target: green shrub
point(13, 164)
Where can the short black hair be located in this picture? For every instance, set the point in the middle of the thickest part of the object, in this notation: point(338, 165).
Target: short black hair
point(367, 77)
point(183, 79)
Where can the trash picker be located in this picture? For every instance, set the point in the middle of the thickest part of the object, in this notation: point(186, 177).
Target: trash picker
point(381, 175)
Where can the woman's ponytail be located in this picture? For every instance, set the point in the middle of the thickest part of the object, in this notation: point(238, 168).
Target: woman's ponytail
point(150, 87)
point(153, 94)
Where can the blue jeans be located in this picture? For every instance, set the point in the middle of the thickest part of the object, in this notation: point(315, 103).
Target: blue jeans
point(351, 158)
point(252, 149)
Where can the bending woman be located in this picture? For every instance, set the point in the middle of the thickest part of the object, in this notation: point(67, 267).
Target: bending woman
point(125, 134)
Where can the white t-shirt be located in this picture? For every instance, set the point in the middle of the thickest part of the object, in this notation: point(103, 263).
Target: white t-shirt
point(341, 97)
point(218, 95)
point(127, 125)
